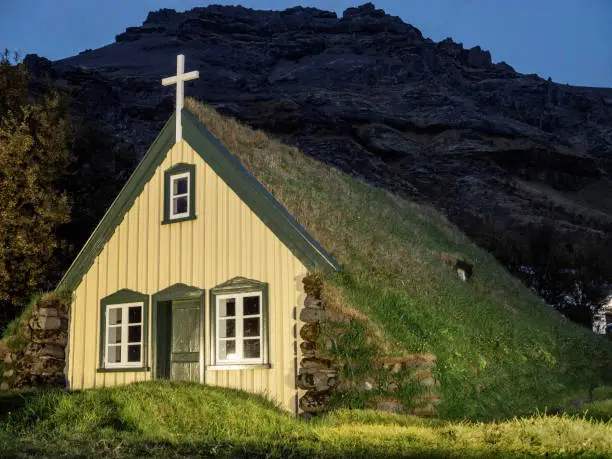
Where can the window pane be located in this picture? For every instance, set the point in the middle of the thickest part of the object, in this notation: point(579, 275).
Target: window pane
point(180, 186)
point(227, 328)
point(134, 353)
point(135, 315)
point(114, 335)
point(251, 348)
point(227, 350)
point(134, 334)
point(251, 305)
point(114, 354)
point(227, 308)
point(251, 327)
point(179, 205)
point(114, 316)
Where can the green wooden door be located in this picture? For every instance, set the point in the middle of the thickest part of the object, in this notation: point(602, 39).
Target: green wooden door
point(185, 341)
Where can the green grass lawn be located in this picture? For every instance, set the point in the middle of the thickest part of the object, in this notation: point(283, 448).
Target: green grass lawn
point(168, 419)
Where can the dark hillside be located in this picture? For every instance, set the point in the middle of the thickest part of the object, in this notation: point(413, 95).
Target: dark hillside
point(512, 159)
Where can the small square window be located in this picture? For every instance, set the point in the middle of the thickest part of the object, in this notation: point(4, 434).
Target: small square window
point(179, 193)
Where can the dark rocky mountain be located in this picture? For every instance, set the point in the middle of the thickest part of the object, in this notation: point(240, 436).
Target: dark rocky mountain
point(521, 164)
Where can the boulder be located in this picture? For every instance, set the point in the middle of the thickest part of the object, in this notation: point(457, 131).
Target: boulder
point(316, 364)
point(47, 312)
point(310, 332)
point(52, 350)
point(312, 302)
point(45, 323)
point(314, 402)
point(309, 315)
point(318, 382)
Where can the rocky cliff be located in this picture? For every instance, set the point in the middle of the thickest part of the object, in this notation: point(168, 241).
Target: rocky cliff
point(516, 161)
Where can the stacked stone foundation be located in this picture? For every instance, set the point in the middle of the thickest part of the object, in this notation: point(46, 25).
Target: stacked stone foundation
point(35, 357)
point(317, 375)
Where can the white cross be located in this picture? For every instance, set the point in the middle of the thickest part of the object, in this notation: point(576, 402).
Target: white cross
point(179, 79)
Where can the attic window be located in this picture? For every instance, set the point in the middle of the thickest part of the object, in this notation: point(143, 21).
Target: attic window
point(179, 193)
point(179, 196)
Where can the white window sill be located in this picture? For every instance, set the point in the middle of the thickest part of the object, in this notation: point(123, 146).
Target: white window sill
point(239, 366)
point(125, 369)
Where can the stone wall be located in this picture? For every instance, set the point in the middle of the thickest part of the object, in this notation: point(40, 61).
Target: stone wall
point(343, 364)
point(317, 374)
point(35, 355)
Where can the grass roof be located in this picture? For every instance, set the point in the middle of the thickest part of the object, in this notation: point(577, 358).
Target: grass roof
point(501, 351)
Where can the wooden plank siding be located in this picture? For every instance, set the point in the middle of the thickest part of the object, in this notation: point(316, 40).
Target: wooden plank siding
point(225, 240)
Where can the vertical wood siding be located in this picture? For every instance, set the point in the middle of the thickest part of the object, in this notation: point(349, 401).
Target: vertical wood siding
point(225, 240)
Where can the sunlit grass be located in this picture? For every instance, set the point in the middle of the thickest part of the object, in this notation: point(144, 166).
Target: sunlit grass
point(168, 419)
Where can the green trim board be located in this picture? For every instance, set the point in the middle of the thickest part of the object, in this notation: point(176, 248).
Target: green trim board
point(237, 177)
point(124, 296)
point(120, 206)
point(168, 173)
point(161, 303)
point(240, 285)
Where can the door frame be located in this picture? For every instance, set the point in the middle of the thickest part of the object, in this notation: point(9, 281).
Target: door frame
point(177, 292)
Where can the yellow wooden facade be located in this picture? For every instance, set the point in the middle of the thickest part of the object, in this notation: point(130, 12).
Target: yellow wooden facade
point(226, 240)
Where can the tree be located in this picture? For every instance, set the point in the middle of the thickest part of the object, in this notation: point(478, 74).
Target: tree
point(33, 156)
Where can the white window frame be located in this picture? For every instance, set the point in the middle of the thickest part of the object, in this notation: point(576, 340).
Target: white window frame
point(124, 335)
point(172, 197)
point(239, 338)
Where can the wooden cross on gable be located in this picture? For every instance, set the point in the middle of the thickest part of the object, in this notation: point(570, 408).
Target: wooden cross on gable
point(179, 80)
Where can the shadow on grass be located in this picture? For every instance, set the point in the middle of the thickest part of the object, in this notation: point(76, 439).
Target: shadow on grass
point(11, 401)
point(253, 450)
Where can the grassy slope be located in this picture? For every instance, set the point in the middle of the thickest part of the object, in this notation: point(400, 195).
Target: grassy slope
point(501, 352)
point(169, 419)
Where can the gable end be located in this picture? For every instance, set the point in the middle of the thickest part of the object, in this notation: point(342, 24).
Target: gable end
point(230, 170)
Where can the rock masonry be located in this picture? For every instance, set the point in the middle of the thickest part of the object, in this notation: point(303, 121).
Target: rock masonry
point(317, 375)
point(40, 359)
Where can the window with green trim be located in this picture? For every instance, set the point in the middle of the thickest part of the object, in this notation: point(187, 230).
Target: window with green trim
point(179, 193)
point(239, 328)
point(124, 335)
point(239, 317)
point(123, 331)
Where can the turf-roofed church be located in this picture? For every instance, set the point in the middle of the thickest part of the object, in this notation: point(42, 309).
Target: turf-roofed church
point(194, 273)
